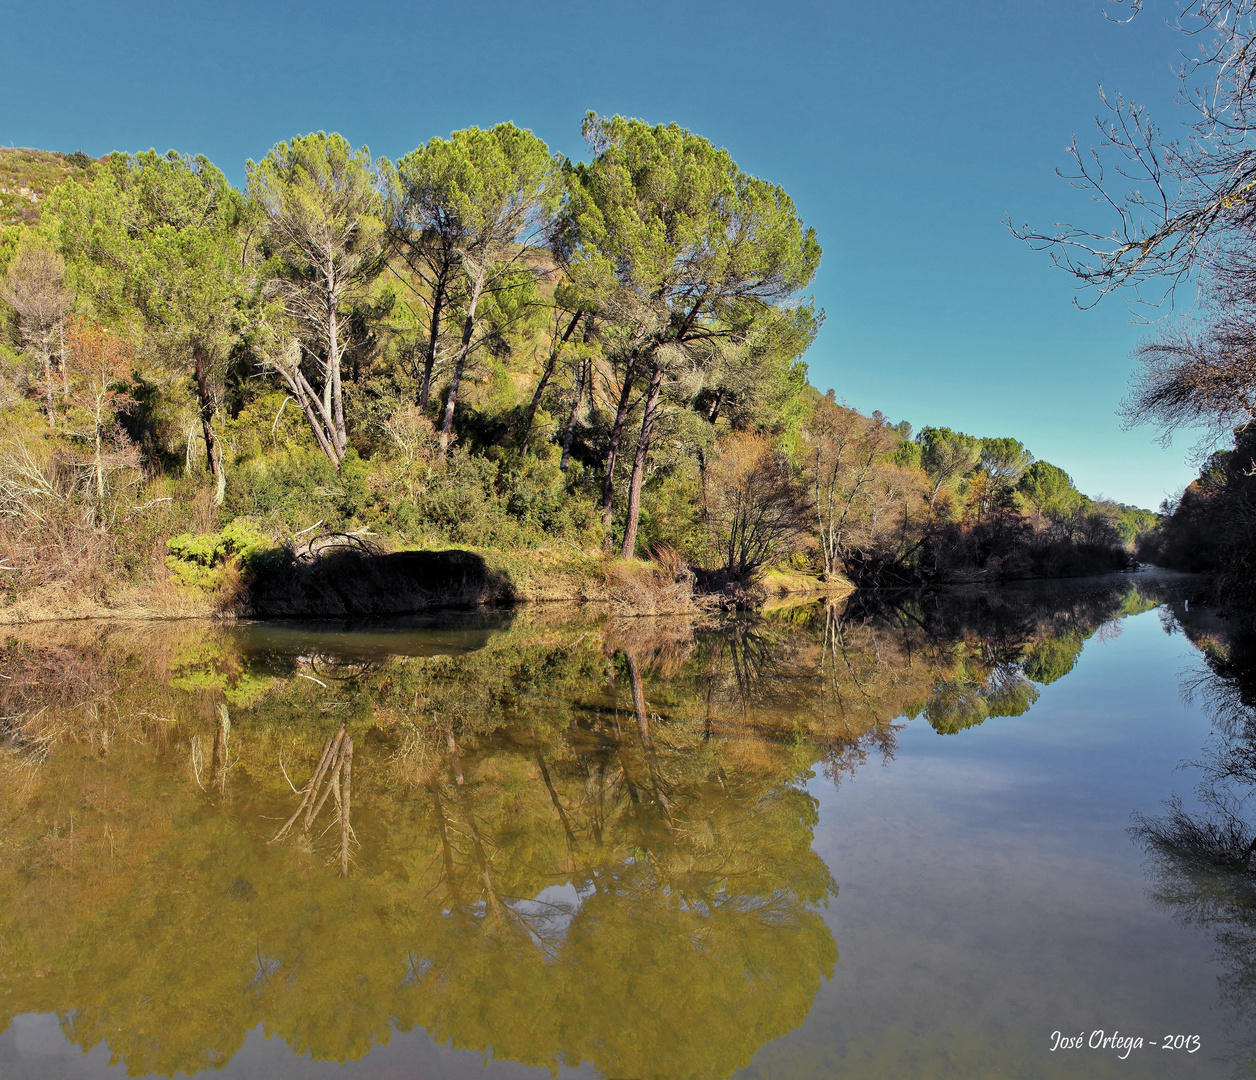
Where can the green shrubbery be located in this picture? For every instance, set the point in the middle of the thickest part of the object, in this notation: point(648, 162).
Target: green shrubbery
point(1212, 527)
point(204, 560)
point(186, 372)
point(294, 488)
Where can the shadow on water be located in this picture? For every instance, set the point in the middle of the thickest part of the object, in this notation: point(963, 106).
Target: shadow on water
point(544, 837)
point(345, 640)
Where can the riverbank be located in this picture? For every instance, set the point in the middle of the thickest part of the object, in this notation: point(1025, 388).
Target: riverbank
point(357, 581)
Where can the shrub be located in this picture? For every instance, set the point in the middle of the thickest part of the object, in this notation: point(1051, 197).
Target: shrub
point(296, 487)
point(756, 511)
point(201, 560)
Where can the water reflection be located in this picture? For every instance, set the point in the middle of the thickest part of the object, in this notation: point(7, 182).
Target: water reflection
point(550, 838)
point(1202, 855)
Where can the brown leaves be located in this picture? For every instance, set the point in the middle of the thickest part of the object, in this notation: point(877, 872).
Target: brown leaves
point(756, 510)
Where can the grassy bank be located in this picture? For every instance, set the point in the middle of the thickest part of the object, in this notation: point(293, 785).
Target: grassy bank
point(354, 578)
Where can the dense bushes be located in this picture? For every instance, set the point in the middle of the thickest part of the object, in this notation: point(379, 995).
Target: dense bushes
point(1008, 545)
point(203, 560)
point(1213, 526)
point(181, 358)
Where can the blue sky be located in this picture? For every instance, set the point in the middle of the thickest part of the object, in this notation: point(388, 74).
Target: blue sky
point(904, 133)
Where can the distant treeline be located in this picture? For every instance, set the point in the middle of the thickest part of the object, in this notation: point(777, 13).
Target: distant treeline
point(1212, 526)
point(480, 344)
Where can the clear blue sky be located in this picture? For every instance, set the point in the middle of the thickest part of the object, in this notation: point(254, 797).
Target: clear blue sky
point(903, 131)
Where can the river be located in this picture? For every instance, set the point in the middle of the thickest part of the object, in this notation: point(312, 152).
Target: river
point(919, 835)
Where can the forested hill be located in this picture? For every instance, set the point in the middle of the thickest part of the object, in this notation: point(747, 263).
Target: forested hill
point(482, 345)
point(26, 177)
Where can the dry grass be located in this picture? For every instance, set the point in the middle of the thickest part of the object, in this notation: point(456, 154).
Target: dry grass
point(661, 645)
point(66, 553)
point(58, 600)
point(662, 587)
point(787, 588)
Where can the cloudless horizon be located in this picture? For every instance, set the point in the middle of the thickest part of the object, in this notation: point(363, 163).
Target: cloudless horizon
point(903, 134)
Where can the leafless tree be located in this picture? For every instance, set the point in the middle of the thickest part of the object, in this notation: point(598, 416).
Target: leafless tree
point(756, 510)
point(859, 496)
point(35, 288)
point(1181, 206)
point(1197, 375)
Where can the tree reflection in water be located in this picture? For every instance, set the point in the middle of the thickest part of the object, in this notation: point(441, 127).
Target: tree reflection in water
point(580, 841)
point(1202, 859)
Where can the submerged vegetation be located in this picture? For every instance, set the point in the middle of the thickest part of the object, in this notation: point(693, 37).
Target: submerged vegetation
point(565, 366)
point(539, 835)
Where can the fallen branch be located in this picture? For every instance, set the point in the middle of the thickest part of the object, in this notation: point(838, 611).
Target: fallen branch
point(286, 776)
point(306, 792)
point(345, 828)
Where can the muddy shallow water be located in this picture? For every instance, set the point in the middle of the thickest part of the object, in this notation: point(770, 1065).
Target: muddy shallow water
point(874, 839)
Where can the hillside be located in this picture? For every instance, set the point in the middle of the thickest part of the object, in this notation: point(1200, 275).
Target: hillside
point(26, 176)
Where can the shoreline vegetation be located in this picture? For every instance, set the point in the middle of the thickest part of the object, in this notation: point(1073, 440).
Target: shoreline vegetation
point(481, 375)
point(368, 586)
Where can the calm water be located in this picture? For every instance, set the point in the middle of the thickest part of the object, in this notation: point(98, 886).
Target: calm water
point(864, 841)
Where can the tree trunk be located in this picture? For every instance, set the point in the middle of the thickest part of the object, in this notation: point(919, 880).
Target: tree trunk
point(433, 337)
point(638, 464)
point(477, 845)
point(222, 745)
point(553, 794)
point(346, 829)
point(316, 412)
point(569, 434)
point(98, 418)
point(317, 427)
point(65, 374)
point(467, 327)
point(220, 474)
point(714, 414)
point(447, 852)
point(206, 409)
point(47, 353)
point(647, 743)
point(213, 448)
point(617, 434)
point(339, 438)
point(544, 381)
